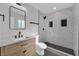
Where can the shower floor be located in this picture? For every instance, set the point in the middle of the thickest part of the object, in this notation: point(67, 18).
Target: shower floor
point(48, 53)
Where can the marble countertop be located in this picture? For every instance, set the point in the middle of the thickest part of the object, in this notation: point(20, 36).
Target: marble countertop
point(8, 42)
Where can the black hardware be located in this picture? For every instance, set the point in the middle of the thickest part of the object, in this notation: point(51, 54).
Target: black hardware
point(34, 23)
point(43, 29)
point(18, 4)
point(44, 17)
point(15, 36)
point(3, 16)
point(24, 51)
point(21, 35)
point(19, 32)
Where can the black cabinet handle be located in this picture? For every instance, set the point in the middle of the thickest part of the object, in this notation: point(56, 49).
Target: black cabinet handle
point(24, 51)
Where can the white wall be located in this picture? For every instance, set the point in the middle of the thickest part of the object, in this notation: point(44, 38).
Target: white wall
point(32, 16)
point(76, 13)
point(63, 36)
point(7, 34)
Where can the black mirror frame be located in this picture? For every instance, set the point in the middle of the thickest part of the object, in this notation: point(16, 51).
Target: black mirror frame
point(10, 19)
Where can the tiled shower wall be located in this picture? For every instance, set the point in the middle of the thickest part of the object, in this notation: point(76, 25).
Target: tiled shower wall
point(63, 36)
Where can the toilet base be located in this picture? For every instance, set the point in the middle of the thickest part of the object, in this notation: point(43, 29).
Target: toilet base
point(40, 48)
point(40, 53)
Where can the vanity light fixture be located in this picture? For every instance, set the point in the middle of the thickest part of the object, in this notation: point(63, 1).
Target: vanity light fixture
point(18, 4)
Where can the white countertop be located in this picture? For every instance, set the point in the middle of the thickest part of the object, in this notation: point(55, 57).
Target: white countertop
point(8, 42)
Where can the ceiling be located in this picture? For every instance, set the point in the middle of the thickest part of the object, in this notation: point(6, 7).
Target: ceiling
point(50, 7)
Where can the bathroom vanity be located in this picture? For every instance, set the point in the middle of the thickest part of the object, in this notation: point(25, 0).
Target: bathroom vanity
point(25, 47)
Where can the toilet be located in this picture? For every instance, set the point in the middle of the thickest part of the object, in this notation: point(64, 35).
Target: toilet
point(40, 46)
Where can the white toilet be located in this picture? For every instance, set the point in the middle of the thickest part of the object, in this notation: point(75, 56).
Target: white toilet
point(40, 46)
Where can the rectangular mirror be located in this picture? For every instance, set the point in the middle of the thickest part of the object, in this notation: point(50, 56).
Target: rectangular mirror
point(17, 18)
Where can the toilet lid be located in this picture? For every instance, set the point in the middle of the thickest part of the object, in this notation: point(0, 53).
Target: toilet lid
point(42, 45)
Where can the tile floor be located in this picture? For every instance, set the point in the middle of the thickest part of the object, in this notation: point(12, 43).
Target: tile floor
point(48, 53)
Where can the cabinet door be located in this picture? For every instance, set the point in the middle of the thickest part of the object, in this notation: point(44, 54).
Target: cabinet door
point(12, 50)
point(28, 49)
point(24, 48)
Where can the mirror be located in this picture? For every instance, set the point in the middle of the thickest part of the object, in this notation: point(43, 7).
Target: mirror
point(17, 18)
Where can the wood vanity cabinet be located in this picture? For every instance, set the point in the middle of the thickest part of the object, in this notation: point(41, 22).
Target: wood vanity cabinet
point(23, 48)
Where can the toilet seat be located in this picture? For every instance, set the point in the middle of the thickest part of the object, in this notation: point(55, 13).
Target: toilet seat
point(42, 45)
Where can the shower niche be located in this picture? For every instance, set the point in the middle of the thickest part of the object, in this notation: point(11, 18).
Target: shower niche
point(64, 23)
point(50, 23)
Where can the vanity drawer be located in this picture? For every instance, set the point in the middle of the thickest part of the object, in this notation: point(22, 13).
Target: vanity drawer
point(24, 51)
point(27, 42)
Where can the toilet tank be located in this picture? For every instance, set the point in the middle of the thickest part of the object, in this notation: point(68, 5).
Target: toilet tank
point(37, 39)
